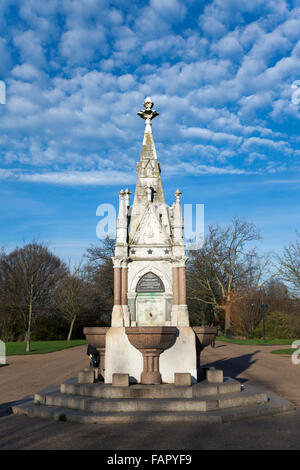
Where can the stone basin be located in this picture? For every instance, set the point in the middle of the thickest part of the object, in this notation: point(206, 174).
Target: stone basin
point(151, 341)
point(205, 335)
point(96, 337)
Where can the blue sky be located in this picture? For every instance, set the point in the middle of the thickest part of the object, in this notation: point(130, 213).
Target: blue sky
point(223, 75)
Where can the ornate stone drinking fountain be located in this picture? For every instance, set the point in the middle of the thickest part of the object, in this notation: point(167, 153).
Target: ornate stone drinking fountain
point(150, 337)
point(150, 355)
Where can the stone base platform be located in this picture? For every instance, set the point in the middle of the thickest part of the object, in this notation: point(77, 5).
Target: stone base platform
point(201, 402)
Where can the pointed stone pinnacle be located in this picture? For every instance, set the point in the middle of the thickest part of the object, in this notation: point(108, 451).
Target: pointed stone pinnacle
point(178, 194)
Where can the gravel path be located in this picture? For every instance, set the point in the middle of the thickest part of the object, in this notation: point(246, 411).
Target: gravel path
point(257, 365)
point(26, 375)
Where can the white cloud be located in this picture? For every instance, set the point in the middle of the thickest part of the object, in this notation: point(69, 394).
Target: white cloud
point(72, 178)
point(80, 45)
point(254, 156)
point(196, 169)
point(254, 143)
point(27, 72)
point(83, 67)
point(169, 9)
point(228, 47)
point(30, 48)
point(206, 134)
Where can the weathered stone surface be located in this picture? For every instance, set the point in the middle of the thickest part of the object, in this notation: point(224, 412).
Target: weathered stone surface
point(120, 380)
point(214, 375)
point(181, 357)
point(86, 376)
point(182, 379)
point(123, 409)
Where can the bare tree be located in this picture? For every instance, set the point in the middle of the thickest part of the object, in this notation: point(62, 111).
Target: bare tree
point(99, 255)
point(246, 312)
point(8, 320)
point(290, 266)
point(71, 296)
point(29, 276)
point(99, 270)
point(225, 267)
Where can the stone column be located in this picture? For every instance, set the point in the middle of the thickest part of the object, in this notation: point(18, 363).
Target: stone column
point(124, 290)
point(182, 313)
point(182, 285)
point(117, 313)
point(175, 289)
point(117, 285)
point(175, 274)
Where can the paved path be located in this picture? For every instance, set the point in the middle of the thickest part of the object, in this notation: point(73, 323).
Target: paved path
point(26, 375)
point(271, 432)
point(257, 365)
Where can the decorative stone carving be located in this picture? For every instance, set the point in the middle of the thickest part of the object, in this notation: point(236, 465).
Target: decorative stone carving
point(148, 113)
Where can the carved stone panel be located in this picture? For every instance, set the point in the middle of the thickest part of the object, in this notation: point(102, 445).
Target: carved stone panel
point(150, 309)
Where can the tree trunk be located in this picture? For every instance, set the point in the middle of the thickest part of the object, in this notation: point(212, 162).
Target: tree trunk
point(29, 319)
point(227, 310)
point(71, 329)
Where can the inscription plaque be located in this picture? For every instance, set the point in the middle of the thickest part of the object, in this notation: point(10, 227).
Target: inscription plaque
point(150, 283)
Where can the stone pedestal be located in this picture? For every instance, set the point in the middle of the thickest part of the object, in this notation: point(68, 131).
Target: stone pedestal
point(151, 374)
point(120, 380)
point(123, 358)
point(86, 376)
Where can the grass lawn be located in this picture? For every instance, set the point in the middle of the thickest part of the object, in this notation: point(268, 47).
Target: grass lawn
point(253, 342)
point(284, 351)
point(41, 347)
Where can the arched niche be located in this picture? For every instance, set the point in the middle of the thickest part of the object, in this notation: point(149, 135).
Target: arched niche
point(150, 282)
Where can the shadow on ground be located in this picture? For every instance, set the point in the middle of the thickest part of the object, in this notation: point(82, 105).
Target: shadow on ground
point(234, 366)
point(5, 408)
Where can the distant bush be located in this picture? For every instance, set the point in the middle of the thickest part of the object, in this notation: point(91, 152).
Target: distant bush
point(277, 326)
point(52, 328)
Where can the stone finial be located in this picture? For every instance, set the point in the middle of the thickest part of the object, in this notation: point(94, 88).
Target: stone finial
point(178, 195)
point(127, 196)
point(121, 194)
point(148, 113)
